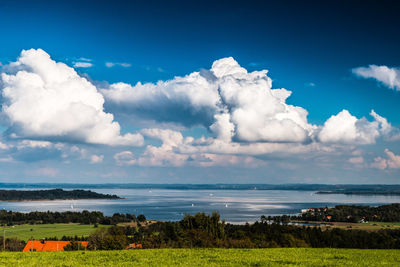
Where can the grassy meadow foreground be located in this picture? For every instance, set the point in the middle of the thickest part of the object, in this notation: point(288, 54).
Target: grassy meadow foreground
point(207, 257)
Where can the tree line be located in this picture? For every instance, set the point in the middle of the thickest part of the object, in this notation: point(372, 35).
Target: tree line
point(208, 231)
point(51, 194)
point(85, 217)
point(202, 230)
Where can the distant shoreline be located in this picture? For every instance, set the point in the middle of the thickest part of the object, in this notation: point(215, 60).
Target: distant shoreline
point(30, 200)
point(289, 187)
point(51, 194)
point(363, 193)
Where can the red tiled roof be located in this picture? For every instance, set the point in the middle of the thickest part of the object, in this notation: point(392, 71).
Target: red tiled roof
point(37, 245)
point(134, 245)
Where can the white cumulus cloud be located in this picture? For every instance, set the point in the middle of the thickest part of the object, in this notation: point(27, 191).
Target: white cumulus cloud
point(226, 99)
point(166, 154)
point(390, 77)
point(392, 161)
point(348, 129)
point(356, 160)
point(223, 128)
point(34, 144)
point(96, 159)
point(176, 150)
point(125, 158)
point(44, 99)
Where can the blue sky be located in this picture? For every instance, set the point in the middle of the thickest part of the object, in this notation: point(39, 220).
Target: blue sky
point(206, 130)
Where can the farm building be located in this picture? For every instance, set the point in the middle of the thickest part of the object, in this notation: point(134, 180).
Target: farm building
point(43, 245)
point(134, 245)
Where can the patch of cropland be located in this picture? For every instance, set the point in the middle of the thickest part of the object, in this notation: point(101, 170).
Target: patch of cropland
point(55, 231)
point(51, 194)
point(207, 257)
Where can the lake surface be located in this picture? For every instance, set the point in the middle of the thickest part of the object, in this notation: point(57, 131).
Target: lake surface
point(233, 205)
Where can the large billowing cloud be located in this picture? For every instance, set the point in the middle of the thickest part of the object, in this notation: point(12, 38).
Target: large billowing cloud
point(239, 106)
point(44, 99)
point(390, 77)
point(189, 100)
point(231, 102)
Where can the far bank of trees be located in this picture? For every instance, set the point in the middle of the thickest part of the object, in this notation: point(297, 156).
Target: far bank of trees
point(51, 194)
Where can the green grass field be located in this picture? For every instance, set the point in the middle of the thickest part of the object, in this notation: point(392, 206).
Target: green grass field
point(206, 257)
point(38, 231)
point(370, 226)
point(385, 224)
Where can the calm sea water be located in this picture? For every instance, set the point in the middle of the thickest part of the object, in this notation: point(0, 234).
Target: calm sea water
point(233, 205)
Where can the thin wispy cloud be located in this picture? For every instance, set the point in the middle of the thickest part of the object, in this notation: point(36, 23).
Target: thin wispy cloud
point(117, 64)
point(45, 171)
point(82, 65)
point(85, 59)
point(388, 76)
point(309, 84)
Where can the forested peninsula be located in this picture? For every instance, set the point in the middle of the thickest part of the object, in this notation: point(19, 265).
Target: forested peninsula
point(363, 192)
point(51, 194)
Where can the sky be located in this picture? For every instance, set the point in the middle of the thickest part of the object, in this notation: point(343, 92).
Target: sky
point(200, 92)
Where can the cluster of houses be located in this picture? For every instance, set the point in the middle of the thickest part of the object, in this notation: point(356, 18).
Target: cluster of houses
point(314, 210)
point(329, 217)
point(49, 245)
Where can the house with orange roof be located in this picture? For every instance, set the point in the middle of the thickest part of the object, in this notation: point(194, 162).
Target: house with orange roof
point(134, 246)
point(44, 245)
